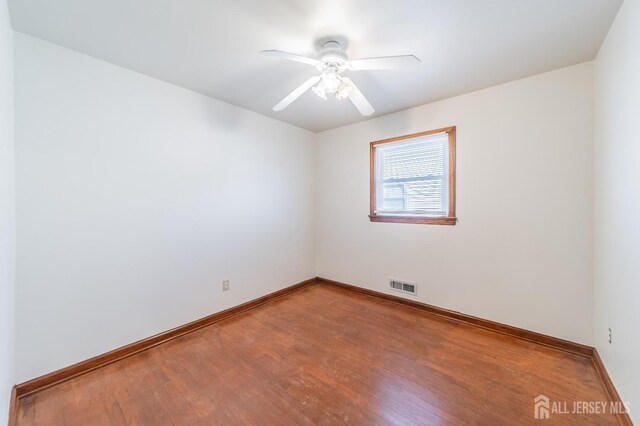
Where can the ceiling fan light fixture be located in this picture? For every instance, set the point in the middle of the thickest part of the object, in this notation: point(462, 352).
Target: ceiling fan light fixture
point(344, 89)
point(330, 81)
point(333, 83)
point(319, 90)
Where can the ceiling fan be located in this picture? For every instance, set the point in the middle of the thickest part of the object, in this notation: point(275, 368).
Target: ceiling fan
point(332, 62)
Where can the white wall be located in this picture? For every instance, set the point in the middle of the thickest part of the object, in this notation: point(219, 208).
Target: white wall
point(617, 203)
point(7, 219)
point(521, 252)
point(136, 198)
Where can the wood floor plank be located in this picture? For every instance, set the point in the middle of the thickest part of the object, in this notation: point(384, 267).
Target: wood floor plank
point(324, 355)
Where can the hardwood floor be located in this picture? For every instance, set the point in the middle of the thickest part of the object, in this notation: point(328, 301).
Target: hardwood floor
point(325, 355)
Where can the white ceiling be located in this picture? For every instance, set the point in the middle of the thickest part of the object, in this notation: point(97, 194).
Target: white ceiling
point(211, 46)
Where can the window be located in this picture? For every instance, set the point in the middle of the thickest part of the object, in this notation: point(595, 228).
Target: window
point(413, 178)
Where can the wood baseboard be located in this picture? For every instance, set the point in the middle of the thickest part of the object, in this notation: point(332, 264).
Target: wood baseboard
point(623, 418)
point(531, 336)
point(90, 364)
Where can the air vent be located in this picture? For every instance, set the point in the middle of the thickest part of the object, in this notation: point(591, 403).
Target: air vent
point(403, 287)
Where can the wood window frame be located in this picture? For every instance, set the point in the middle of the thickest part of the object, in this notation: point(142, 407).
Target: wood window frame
point(451, 219)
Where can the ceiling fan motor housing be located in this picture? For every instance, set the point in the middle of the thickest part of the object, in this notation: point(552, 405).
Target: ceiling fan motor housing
point(333, 54)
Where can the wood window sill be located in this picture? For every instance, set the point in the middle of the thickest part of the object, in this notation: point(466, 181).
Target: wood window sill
point(415, 219)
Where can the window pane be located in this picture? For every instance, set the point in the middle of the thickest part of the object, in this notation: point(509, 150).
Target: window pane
point(411, 176)
point(393, 196)
point(413, 161)
point(425, 195)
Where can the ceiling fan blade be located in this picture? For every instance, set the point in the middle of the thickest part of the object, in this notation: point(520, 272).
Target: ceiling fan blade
point(291, 57)
point(296, 93)
point(384, 63)
point(358, 99)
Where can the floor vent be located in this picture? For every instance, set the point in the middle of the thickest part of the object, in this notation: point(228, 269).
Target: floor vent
point(403, 287)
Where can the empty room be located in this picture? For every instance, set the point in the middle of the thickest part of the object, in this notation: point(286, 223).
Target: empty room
point(291, 212)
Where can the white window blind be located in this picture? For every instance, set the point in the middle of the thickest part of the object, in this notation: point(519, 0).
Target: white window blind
point(411, 176)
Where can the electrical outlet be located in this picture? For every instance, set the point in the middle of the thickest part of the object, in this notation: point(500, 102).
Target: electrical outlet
point(610, 336)
point(225, 285)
